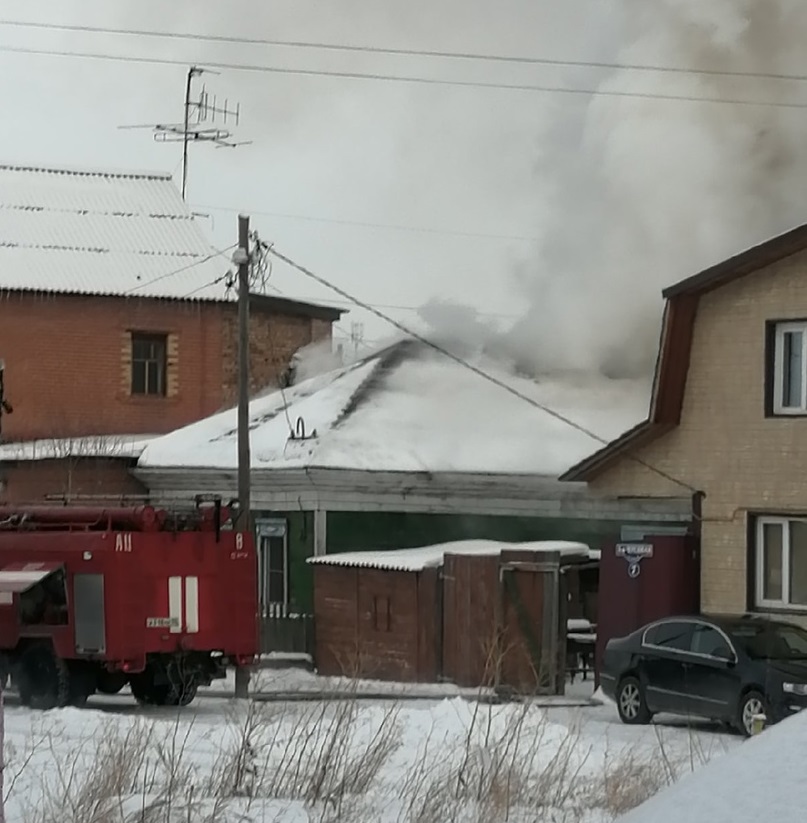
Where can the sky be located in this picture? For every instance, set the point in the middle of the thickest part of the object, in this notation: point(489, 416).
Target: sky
point(561, 215)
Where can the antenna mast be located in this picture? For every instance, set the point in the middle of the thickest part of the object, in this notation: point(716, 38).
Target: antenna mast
point(198, 113)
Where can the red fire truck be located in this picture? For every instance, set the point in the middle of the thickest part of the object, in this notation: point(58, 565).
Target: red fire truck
point(93, 598)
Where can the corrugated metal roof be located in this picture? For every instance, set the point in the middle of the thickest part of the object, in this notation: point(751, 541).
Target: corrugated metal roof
point(95, 232)
point(126, 446)
point(415, 413)
point(425, 557)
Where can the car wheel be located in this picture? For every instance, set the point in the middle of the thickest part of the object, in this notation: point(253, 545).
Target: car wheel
point(751, 704)
point(630, 703)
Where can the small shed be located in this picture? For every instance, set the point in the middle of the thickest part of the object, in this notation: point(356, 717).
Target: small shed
point(475, 613)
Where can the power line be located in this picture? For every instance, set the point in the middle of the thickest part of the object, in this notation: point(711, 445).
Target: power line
point(387, 305)
point(395, 307)
point(400, 52)
point(213, 282)
point(215, 253)
point(470, 366)
point(396, 78)
point(366, 224)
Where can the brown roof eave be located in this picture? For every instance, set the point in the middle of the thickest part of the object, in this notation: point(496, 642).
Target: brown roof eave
point(296, 308)
point(747, 262)
point(675, 348)
point(672, 366)
point(588, 468)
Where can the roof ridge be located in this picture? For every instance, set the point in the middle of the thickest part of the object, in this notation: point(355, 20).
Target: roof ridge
point(83, 212)
point(79, 171)
point(385, 360)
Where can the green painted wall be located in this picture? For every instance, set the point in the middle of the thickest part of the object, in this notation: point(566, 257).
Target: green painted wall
point(300, 536)
point(357, 531)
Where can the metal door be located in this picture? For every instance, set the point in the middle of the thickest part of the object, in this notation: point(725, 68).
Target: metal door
point(665, 651)
point(88, 608)
point(709, 674)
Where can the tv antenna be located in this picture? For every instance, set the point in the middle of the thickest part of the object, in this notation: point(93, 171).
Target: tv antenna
point(199, 123)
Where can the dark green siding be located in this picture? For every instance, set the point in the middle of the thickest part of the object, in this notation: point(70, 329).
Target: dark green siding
point(358, 531)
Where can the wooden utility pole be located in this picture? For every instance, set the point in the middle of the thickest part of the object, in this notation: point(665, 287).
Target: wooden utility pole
point(5, 406)
point(244, 522)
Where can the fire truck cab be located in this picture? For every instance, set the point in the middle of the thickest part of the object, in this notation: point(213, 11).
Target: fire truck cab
point(95, 598)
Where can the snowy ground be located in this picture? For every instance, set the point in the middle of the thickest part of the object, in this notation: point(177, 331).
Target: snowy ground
point(392, 760)
point(763, 780)
point(302, 683)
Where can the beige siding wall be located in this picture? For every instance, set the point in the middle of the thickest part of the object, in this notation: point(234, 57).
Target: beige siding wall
point(725, 446)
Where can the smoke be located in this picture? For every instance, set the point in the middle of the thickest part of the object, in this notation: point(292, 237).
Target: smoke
point(629, 194)
point(645, 192)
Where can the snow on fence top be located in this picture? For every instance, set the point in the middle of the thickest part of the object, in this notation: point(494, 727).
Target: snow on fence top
point(429, 557)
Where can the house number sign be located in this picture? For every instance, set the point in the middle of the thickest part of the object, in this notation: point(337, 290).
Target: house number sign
point(634, 553)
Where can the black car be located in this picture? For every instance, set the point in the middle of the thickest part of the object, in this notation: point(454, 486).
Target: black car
point(727, 669)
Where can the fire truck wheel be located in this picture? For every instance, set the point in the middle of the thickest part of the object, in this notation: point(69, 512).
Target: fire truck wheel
point(44, 679)
point(82, 683)
point(183, 694)
point(110, 682)
point(146, 692)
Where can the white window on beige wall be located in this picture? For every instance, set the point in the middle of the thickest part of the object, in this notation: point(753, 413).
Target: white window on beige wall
point(790, 368)
point(781, 563)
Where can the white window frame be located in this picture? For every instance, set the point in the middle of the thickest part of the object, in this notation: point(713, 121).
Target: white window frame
point(759, 559)
point(779, 371)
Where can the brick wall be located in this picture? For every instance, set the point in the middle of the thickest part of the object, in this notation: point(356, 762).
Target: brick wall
point(32, 481)
point(68, 361)
point(725, 446)
point(273, 340)
point(68, 364)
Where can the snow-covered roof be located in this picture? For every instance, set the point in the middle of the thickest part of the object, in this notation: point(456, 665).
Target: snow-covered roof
point(56, 448)
point(761, 780)
point(407, 409)
point(427, 557)
point(97, 232)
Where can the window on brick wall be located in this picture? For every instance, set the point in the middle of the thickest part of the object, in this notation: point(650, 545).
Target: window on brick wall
point(149, 364)
point(781, 563)
point(787, 368)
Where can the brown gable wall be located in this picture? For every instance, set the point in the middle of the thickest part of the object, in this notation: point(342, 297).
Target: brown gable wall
point(724, 445)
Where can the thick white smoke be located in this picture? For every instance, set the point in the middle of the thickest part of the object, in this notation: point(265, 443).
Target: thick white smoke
point(649, 191)
point(630, 194)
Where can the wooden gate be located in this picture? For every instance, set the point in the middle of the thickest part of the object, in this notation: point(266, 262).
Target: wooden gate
point(286, 631)
point(503, 622)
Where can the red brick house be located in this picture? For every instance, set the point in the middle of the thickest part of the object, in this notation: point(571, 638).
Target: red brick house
point(117, 319)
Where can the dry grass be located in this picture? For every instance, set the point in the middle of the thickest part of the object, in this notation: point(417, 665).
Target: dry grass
point(327, 758)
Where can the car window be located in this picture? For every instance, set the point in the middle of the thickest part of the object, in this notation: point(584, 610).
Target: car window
point(671, 635)
point(708, 640)
point(772, 641)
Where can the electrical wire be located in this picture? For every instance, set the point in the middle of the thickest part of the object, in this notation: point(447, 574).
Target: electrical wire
point(366, 224)
point(215, 253)
point(400, 52)
point(394, 307)
point(470, 366)
point(214, 282)
point(397, 78)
